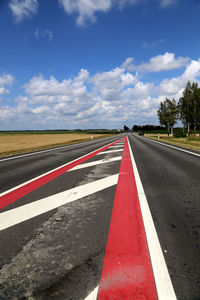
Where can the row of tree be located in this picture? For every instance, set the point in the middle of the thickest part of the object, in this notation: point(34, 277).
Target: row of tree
point(148, 127)
point(187, 109)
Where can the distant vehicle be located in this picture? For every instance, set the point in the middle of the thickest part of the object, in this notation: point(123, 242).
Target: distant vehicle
point(140, 133)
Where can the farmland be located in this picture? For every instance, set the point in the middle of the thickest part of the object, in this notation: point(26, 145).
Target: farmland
point(15, 143)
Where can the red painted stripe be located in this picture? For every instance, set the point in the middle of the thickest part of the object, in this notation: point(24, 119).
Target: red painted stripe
point(127, 270)
point(18, 193)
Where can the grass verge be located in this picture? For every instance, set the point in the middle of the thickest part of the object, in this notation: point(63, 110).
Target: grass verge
point(193, 143)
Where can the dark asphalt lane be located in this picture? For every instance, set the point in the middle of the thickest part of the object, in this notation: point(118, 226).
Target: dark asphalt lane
point(59, 254)
point(16, 171)
point(171, 181)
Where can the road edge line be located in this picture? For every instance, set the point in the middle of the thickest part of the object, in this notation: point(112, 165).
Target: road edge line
point(163, 282)
point(173, 147)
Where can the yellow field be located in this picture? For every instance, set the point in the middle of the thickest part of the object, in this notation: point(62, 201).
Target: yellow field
point(18, 143)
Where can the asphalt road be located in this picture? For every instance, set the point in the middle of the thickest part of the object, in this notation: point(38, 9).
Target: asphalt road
point(59, 254)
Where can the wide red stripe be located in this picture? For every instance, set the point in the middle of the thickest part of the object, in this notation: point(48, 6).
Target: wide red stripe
point(127, 271)
point(18, 193)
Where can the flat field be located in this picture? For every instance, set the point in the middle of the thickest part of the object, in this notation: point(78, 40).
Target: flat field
point(192, 143)
point(11, 144)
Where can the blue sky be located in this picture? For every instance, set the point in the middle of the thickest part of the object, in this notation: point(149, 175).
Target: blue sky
point(94, 63)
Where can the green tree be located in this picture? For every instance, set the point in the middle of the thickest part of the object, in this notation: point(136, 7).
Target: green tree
point(126, 128)
point(168, 114)
point(195, 105)
point(186, 108)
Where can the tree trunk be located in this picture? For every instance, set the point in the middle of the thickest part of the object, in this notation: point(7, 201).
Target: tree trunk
point(172, 131)
point(188, 130)
point(183, 127)
point(168, 128)
point(195, 129)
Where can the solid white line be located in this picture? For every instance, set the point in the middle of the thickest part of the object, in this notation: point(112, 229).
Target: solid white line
point(94, 163)
point(107, 152)
point(170, 146)
point(18, 186)
point(163, 282)
point(93, 294)
point(47, 150)
point(36, 208)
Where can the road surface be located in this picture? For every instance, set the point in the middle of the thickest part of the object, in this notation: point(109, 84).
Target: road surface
point(57, 250)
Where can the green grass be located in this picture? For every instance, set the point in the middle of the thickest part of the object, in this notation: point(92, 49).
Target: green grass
point(193, 143)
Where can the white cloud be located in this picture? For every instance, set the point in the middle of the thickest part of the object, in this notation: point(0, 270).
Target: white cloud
point(38, 86)
point(173, 86)
point(22, 9)
point(48, 34)
point(163, 62)
point(127, 63)
point(106, 99)
point(5, 79)
point(86, 9)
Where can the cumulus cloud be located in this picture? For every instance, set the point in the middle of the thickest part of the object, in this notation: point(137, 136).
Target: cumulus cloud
point(5, 79)
point(86, 9)
point(22, 9)
point(106, 99)
point(38, 86)
point(173, 86)
point(164, 62)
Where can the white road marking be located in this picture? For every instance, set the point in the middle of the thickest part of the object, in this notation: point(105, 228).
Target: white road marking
point(170, 146)
point(33, 179)
point(163, 282)
point(94, 163)
point(36, 208)
point(93, 294)
point(111, 151)
point(120, 146)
